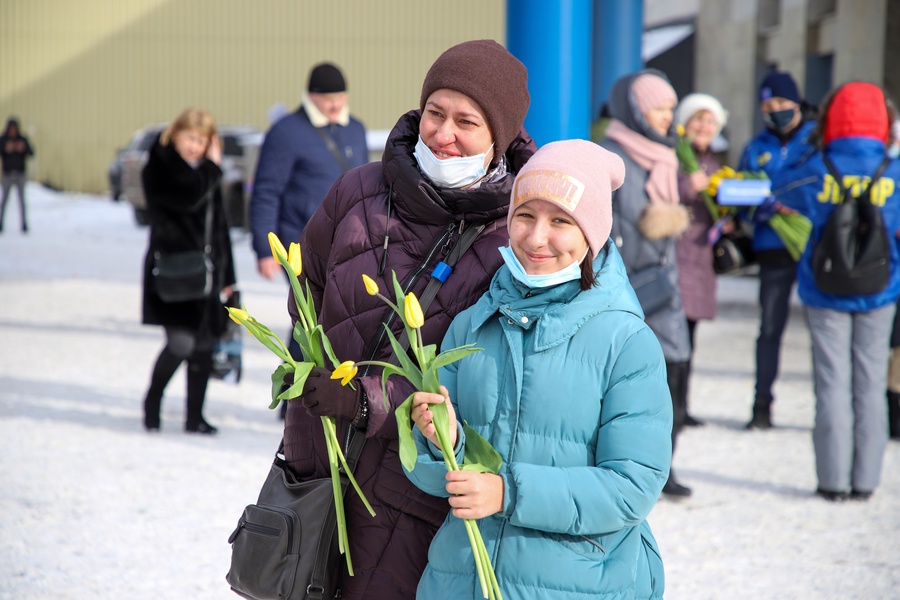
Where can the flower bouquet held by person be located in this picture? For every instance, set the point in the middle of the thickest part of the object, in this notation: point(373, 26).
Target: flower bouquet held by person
point(792, 228)
point(316, 348)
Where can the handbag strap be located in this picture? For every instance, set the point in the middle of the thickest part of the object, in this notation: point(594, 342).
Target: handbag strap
point(442, 271)
point(332, 147)
point(207, 230)
point(839, 180)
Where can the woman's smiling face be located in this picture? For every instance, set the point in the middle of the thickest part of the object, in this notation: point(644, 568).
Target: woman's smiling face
point(545, 238)
point(453, 126)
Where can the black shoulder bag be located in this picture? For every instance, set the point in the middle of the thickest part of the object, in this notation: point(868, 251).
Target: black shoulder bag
point(285, 546)
point(184, 276)
point(852, 255)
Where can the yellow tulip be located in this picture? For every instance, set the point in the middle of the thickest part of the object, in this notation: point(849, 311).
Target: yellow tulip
point(680, 130)
point(371, 286)
point(413, 311)
point(276, 246)
point(234, 313)
point(345, 372)
point(295, 259)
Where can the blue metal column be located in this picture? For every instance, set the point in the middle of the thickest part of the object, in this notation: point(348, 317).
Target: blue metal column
point(553, 40)
point(618, 27)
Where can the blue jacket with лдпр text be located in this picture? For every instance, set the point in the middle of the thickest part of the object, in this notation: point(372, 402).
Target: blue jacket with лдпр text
point(808, 188)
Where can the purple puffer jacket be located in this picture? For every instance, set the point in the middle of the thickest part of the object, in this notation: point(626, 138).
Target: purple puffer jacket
point(696, 277)
point(366, 207)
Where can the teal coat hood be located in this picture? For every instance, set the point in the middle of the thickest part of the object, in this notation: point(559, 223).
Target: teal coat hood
point(570, 388)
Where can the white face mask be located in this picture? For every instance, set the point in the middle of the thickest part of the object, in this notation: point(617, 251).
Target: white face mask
point(570, 273)
point(450, 172)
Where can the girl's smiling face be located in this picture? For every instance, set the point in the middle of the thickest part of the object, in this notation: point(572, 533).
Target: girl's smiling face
point(545, 238)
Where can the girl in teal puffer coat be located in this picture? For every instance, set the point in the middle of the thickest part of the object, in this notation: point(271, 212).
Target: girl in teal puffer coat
point(570, 388)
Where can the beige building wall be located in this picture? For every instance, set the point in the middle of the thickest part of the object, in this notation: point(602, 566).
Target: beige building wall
point(83, 76)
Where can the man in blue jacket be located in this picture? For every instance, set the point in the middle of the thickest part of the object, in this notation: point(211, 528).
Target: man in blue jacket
point(782, 141)
point(302, 155)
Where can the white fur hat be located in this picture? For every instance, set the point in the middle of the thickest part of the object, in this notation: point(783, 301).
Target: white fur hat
point(694, 103)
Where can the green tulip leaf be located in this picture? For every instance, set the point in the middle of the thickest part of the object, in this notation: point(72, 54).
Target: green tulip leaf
point(408, 450)
point(480, 454)
point(300, 374)
point(278, 382)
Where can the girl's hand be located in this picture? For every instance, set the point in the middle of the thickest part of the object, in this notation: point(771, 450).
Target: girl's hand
point(423, 417)
point(214, 151)
point(474, 495)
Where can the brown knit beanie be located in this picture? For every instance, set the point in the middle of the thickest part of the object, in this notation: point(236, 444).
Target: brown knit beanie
point(487, 73)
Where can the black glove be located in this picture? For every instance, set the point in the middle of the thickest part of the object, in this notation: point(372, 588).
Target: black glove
point(326, 397)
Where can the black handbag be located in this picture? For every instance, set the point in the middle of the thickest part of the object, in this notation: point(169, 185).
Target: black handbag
point(185, 276)
point(285, 546)
point(733, 251)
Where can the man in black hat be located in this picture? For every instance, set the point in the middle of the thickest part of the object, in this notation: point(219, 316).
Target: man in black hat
point(303, 153)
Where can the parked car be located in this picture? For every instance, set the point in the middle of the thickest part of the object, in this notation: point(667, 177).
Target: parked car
point(240, 145)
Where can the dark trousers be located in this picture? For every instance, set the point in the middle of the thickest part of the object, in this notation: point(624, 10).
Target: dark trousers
point(775, 284)
point(677, 374)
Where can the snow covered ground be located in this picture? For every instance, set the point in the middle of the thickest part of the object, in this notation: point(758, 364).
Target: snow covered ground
point(94, 507)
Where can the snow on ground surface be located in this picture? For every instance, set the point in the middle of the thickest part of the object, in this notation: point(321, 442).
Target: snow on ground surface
point(94, 507)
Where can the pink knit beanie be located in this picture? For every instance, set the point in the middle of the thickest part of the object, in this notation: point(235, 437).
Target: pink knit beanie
point(650, 91)
point(577, 175)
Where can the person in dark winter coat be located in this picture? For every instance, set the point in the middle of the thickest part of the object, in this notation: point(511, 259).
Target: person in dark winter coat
point(788, 121)
point(647, 216)
point(850, 331)
point(14, 149)
point(570, 389)
point(181, 180)
point(446, 167)
point(702, 117)
point(296, 166)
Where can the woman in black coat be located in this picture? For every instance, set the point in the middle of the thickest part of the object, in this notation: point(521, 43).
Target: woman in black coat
point(180, 179)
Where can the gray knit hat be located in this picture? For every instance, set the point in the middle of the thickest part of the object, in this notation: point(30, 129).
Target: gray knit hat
point(487, 73)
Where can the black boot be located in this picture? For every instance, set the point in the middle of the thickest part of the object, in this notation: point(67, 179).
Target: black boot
point(762, 416)
point(893, 400)
point(165, 367)
point(197, 381)
point(675, 490)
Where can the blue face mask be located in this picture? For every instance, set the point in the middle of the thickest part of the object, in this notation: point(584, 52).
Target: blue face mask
point(570, 273)
point(450, 172)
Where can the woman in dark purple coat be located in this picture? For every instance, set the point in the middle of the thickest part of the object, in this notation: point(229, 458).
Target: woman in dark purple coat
point(447, 167)
point(702, 117)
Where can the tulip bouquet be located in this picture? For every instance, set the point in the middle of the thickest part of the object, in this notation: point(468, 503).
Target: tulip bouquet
point(688, 160)
point(316, 348)
point(792, 227)
point(423, 374)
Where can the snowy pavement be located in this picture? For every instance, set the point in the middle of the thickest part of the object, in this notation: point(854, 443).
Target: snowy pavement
point(94, 507)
